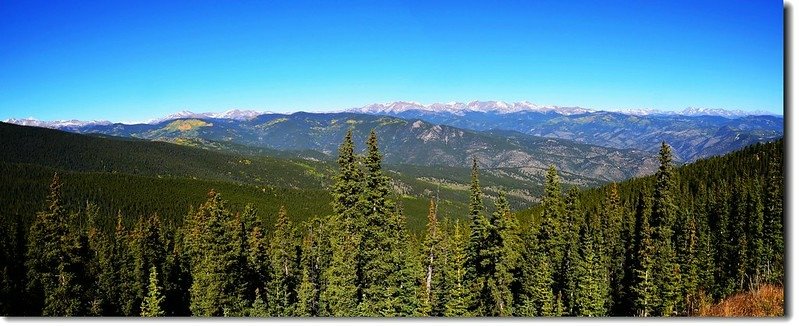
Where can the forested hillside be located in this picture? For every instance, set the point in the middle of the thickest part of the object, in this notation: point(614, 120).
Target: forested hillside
point(405, 142)
point(74, 152)
point(656, 246)
point(123, 163)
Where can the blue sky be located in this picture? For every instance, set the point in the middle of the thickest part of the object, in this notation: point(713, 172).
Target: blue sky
point(140, 60)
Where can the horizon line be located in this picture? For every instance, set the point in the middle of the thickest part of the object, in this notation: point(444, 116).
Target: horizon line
point(629, 111)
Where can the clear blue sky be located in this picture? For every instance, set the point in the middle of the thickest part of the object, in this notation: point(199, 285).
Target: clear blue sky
point(140, 60)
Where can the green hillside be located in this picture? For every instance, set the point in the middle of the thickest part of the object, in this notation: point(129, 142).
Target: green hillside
point(688, 237)
point(212, 164)
point(403, 141)
point(139, 177)
point(74, 152)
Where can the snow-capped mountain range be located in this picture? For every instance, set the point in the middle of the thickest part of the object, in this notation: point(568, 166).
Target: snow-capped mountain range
point(501, 107)
point(456, 108)
point(57, 124)
point(460, 107)
point(235, 114)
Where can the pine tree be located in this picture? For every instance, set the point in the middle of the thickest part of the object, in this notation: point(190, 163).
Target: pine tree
point(687, 258)
point(259, 307)
point(315, 259)
point(432, 256)
point(664, 211)
point(215, 246)
point(283, 284)
point(177, 275)
point(644, 293)
point(613, 246)
point(535, 296)
point(756, 249)
point(550, 234)
point(400, 298)
point(149, 250)
point(384, 244)
point(725, 240)
point(458, 295)
point(116, 285)
point(773, 220)
point(541, 298)
point(572, 245)
point(490, 260)
point(152, 304)
point(348, 201)
point(592, 282)
point(739, 240)
point(52, 265)
point(705, 251)
point(342, 293)
point(307, 300)
point(258, 259)
point(503, 257)
point(478, 248)
point(95, 241)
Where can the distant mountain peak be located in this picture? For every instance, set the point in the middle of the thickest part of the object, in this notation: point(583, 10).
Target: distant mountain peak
point(502, 107)
point(56, 124)
point(692, 111)
point(234, 114)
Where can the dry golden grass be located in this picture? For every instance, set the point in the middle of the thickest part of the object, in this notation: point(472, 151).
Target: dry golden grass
point(766, 301)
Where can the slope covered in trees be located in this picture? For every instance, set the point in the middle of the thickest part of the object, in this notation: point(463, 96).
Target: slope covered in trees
point(658, 246)
point(132, 176)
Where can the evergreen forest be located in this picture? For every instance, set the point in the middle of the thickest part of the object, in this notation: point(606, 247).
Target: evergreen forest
point(660, 245)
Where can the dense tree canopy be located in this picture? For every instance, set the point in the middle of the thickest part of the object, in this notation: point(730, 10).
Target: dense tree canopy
point(661, 245)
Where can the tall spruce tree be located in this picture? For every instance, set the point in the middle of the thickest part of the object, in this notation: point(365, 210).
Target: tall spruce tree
point(664, 211)
point(433, 253)
point(571, 257)
point(756, 247)
point(284, 264)
point(149, 250)
point(503, 256)
point(116, 284)
point(687, 244)
point(340, 294)
point(537, 297)
point(52, 266)
point(400, 297)
point(591, 271)
point(550, 233)
point(458, 290)
point(258, 258)
point(151, 306)
point(177, 273)
point(773, 220)
point(315, 259)
point(383, 246)
point(95, 241)
point(343, 291)
point(613, 246)
point(725, 241)
point(214, 245)
point(644, 294)
point(484, 251)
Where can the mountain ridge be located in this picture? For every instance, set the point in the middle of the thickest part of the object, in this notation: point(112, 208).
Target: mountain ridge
point(402, 106)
